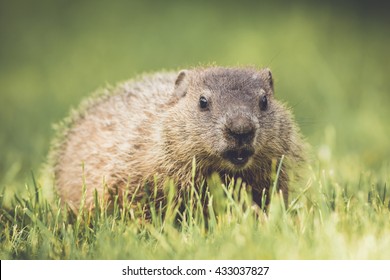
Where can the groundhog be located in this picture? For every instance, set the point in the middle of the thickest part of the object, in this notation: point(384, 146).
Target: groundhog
point(152, 128)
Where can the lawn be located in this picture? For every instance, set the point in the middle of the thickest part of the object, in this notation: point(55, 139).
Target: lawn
point(330, 64)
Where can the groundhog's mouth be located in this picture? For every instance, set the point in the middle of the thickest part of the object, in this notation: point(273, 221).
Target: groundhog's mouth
point(239, 157)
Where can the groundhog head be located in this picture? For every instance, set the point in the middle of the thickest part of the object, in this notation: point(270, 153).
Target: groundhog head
point(227, 115)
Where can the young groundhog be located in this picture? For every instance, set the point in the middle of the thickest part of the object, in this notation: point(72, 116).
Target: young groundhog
point(149, 129)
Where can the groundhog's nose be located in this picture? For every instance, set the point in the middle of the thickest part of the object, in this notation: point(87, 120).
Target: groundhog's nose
point(242, 137)
point(241, 129)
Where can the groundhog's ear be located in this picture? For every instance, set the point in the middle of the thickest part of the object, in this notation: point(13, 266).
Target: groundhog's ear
point(267, 76)
point(181, 84)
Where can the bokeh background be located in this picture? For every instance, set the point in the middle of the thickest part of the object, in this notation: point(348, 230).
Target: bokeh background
point(330, 61)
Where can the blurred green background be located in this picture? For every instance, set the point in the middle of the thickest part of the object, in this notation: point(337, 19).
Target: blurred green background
point(330, 61)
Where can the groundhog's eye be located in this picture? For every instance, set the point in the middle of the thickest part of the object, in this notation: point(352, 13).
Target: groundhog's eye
point(263, 103)
point(203, 103)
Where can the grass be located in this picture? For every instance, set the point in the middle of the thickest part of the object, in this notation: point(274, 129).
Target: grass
point(330, 63)
point(325, 220)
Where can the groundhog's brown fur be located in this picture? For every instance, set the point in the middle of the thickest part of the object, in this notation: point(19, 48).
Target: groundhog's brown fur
point(154, 126)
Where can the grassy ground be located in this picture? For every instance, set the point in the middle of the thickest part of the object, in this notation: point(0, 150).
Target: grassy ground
point(331, 65)
point(327, 219)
